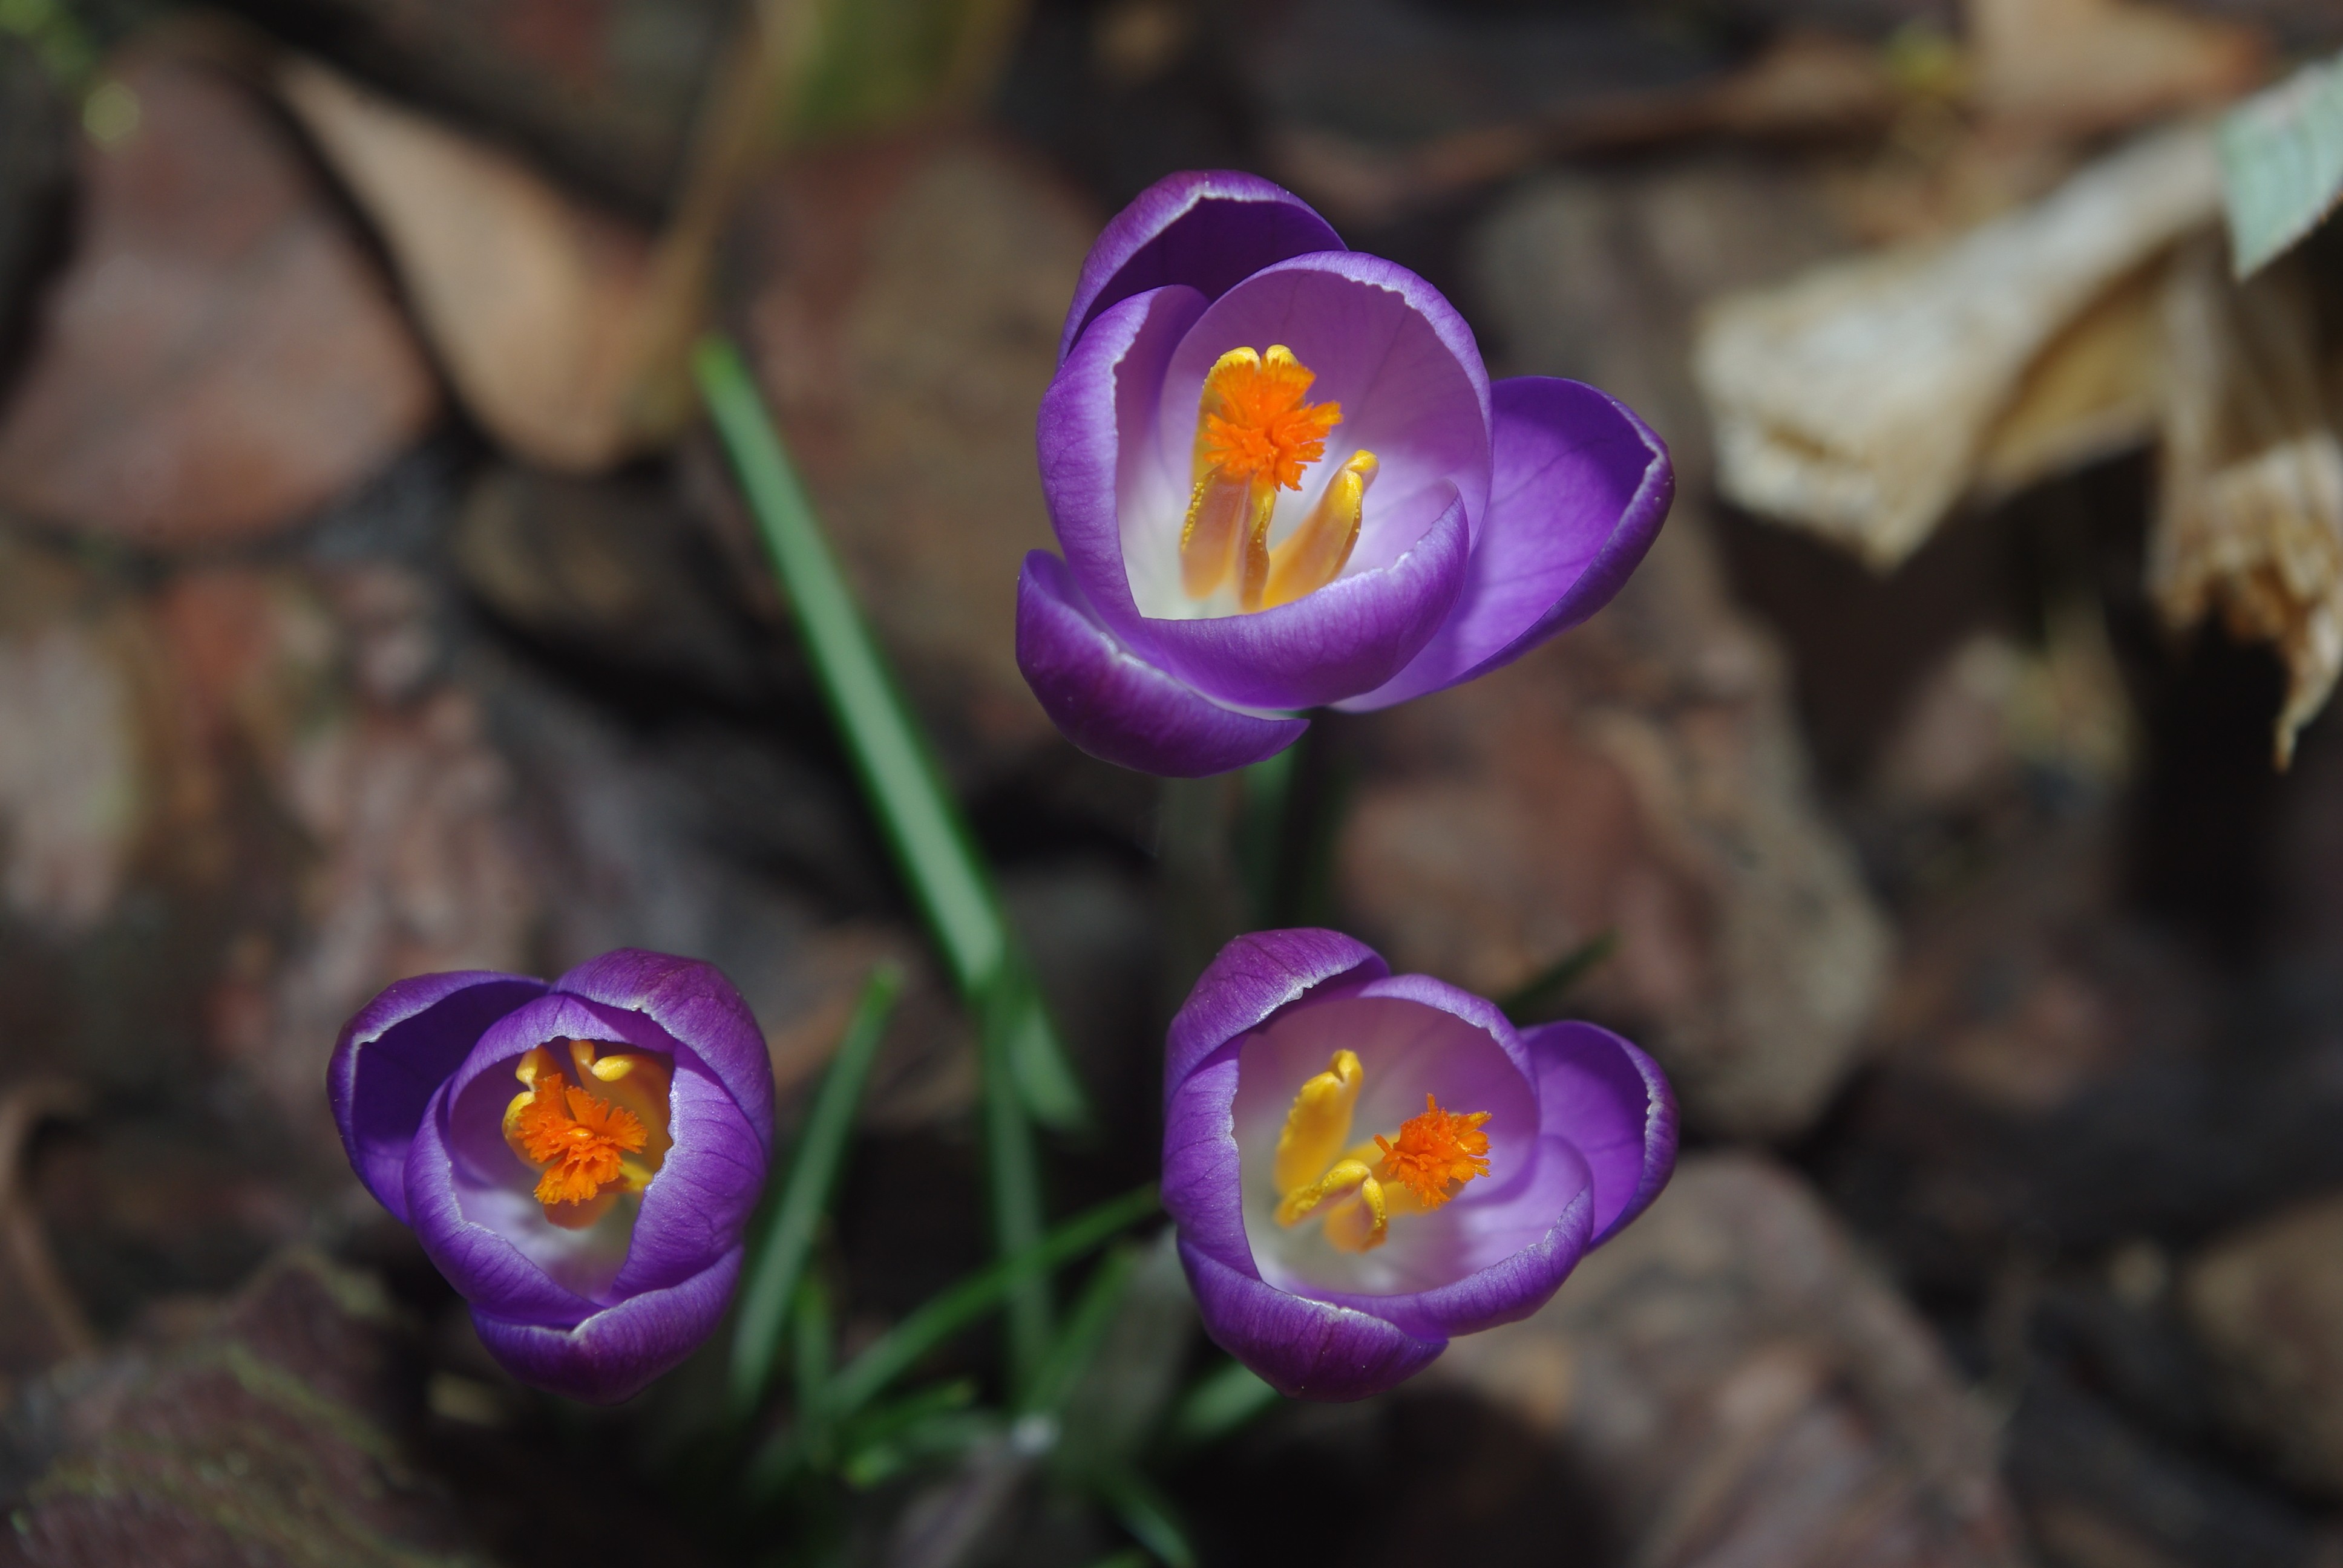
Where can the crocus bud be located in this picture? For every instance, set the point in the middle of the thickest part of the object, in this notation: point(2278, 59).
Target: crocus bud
point(577, 1159)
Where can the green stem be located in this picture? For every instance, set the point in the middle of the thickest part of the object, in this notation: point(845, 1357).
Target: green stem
point(930, 839)
point(805, 1195)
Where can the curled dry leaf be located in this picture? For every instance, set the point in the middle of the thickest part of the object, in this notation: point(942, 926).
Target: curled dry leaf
point(220, 357)
point(2251, 518)
point(2077, 67)
point(1855, 401)
point(545, 313)
point(2096, 390)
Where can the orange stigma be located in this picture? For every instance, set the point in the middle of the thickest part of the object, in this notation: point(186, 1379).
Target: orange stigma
point(578, 1139)
point(1256, 422)
point(1436, 1148)
point(593, 1132)
point(1254, 436)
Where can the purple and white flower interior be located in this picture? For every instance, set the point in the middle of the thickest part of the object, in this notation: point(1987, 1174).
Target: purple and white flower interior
point(1282, 479)
point(1363, 1165)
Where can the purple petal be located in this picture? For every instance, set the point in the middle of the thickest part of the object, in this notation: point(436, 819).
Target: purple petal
point(485, 1266)
point(1347, 638)
point(612, 1354)
point(1517, 1284)
point(1203, 1171)
point(394, 1056)
point(1251, 979)
point(696, 1208)
point(1207, 230)
point(1614, 1104)
point(1095, 437)
point(1116, 706)
point(1479, 1011)
point(1302, 1348)
point(1581, 488)
point(695, 1003)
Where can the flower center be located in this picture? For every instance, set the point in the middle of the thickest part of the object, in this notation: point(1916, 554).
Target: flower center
point(1355, 1190)
point(592, 1140)
point(1436, 1148)
point(1255, 435)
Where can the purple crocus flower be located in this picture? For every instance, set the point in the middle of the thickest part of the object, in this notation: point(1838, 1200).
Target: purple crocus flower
point(1363, 1165)
point(578, 1159)
point(1283, 480)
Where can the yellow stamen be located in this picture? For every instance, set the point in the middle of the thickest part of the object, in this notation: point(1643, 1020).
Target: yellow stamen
point(1434, 1150)
point(1357, 1191)
point(1318, 1124)
point(1352, 1201)
point(1317, 551)
point(1254, 436)
point(592, 1140)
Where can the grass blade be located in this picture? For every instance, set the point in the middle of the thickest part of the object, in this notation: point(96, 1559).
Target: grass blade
point(1013, 1178)
point(813, 1344)
point(1545, 991)
point(938, 1318)
point(1218, 1405)
point(805, 1195)
point(916, 813)
point(1262, 827)
point(1147, 1514)
point(1078, 1342)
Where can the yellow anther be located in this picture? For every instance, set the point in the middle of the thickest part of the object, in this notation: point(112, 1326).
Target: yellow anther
point(1318, 1125)
point(1224, 514)
point(1316, 552)
point(1362, 1222)
point(1345, 1177)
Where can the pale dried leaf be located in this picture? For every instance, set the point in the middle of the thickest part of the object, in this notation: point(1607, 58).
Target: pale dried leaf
point(2095, 391)
point(542, 310)
point(2075, 67)
point(2251, 519)
point(1855, 400)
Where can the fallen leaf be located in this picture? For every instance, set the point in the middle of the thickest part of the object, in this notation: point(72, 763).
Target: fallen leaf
point(220, 357)
point(2081, 67)
point(2251, 519)
point(542, 309)
point(1855, 400)
point(2096, 390)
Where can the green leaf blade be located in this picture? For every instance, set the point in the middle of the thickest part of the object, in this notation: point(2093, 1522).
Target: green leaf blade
point(936, 1320)
point(820, 1150)
point(2282, 164)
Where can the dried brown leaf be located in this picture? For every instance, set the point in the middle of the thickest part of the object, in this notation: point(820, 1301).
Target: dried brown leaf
point(2096, 390)
point(542, 309)
point(1856, 400)
point(2251, 519)
point(2078, 68)
point(220, 357)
